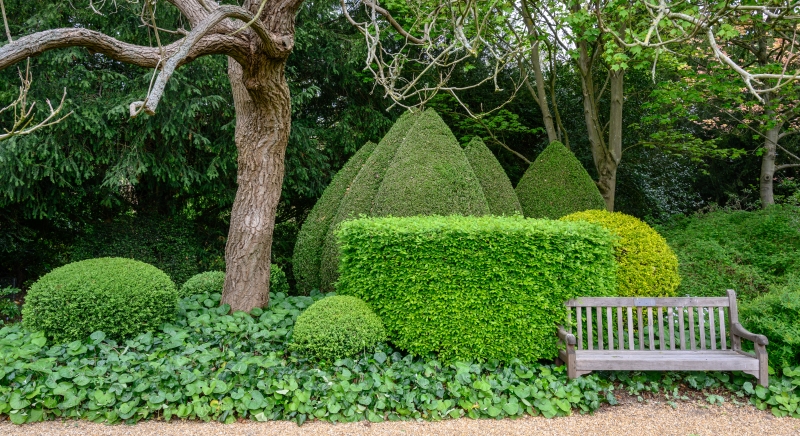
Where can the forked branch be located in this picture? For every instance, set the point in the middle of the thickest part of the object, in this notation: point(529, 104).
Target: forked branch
point(24, 115)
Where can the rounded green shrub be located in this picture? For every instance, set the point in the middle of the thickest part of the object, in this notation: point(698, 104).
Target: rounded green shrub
point(497, 189)
point(120, 297)
point(207, 282)
point(337, 327)
point(211, 282)
point(556, 184)
point(308, 248)
point(647, 266)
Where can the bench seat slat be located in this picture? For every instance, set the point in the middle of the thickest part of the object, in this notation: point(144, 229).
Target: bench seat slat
point(664, 361)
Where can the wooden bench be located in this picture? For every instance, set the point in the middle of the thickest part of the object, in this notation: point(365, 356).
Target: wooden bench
point(695, 337)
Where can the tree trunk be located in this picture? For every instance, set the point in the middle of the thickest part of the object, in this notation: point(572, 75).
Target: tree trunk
point(263, 120)
point(610, 157)
point(768, 166)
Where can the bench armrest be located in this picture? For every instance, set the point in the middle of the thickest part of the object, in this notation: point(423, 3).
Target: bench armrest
point(567, 338)
point(738, 330)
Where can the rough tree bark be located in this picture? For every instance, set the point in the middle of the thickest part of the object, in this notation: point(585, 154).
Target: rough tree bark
point(257, 56)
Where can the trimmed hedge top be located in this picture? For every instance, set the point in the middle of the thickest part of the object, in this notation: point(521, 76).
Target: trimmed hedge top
point(647, 265)
point(474, 287)
point(417, 169)
point(308, 248)
point(556, 184)
point(497, 189)
point(120, 297)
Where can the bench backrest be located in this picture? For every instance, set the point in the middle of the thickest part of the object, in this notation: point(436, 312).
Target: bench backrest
point(692, 323)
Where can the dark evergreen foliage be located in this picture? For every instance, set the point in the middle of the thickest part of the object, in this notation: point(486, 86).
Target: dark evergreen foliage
point(497, 188)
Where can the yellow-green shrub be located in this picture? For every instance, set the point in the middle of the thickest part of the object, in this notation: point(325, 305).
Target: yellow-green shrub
point(647, 265)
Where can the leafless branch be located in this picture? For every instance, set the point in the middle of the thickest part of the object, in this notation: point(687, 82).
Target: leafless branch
point(24, 114)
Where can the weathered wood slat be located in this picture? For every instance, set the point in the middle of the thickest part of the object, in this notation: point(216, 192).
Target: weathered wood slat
point(589, 329)
point(671, 320)
point(661, 328)
point(630, 328)
point(711, 329)
point(621, 343)
point(722, 327)
point(651, 334)
point(580, 329)
point(610, 328)
point(691, 329)
point(599, 329)
point(648, 302)
point(701, 320)
point(664, 361)
point(640, 317)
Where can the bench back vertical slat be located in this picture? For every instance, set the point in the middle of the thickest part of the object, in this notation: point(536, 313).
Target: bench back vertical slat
point(671, 320)
point(599, 328)
point(682, 328)
point(733, 318)
point(640, 316)
point(661, 328)
point(691, 329)
point(610, 328)
point(589, 329)
point(722, 327)
point(711, 330)
point(701, 320)
point(651, 334)
point(621, 342)
point(630, 328)
point(580, 328)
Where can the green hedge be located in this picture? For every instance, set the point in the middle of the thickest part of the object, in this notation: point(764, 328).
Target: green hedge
point(308, 248)
point(497, 189)
point(474, 287)
point(337, 327)
point(120, 297)
point(556, 184)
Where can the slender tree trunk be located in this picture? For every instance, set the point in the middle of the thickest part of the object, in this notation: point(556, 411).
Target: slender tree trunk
point(608, 159)
point(263, 121)
point(768, 166)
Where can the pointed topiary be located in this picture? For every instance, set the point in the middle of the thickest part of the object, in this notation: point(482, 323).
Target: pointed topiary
point(556, 184)
point(359, 197)
point(308, 248)
point(496, 186)
point(429, 175)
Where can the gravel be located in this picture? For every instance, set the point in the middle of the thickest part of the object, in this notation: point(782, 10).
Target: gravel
point(631, 419)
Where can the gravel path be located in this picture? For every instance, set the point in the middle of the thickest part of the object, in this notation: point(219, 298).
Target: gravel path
point(631, 419)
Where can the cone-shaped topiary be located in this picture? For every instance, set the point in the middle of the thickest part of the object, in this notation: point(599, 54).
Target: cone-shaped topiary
point(120, 297)
point(358, 200)
point(308, 248)
point(647, 266)
point(337, 327)
point(417, 169)
point(556, 184)
point(497, 188)
point(429, 175)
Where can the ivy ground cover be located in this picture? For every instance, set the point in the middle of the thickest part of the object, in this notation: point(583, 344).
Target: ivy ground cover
point(208, 365)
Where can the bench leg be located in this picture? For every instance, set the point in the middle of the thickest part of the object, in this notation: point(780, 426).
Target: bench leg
point(763, 368)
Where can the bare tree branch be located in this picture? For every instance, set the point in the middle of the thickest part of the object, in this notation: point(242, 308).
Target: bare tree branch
point(23, 114)
point(147, 57)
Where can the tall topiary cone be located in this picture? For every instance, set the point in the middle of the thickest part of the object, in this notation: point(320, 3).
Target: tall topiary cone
point(556, 184)
point(429, 175)
point(308, 248)
point(417, 169)
point(496, 186)
point(358, 200)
